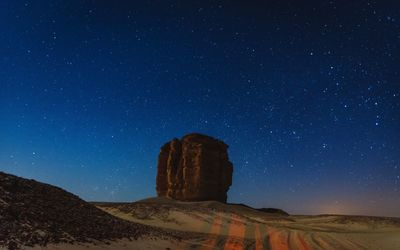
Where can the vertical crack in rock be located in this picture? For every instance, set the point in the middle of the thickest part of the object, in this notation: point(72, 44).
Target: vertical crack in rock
point(195, 168)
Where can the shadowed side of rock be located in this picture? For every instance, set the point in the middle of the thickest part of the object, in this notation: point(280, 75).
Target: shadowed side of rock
point(195, 168)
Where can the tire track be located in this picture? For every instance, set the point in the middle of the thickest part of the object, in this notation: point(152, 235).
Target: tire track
point(223, 235)
point(236, 236)
point(330, 242)
point(319, 242)
point(303, 243)
point(265, 237)
point(258, 238)
point(214, 232)
point(278, 240)
point(212, 228)
point(297, 241)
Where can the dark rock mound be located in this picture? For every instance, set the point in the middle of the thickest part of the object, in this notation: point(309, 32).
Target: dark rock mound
point(273, 211)
point(195, 168)
point(264, 210)
point(34, 213)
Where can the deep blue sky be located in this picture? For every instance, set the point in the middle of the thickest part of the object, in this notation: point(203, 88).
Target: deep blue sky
point(306, 95)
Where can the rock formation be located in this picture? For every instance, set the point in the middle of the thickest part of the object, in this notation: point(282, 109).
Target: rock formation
point(195, 168)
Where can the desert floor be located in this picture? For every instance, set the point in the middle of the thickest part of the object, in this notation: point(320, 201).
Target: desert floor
point(213, 225)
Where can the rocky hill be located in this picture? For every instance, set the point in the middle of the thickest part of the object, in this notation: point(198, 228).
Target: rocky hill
point(34, 213)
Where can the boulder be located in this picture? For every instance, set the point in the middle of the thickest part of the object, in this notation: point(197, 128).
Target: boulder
point(194, 168)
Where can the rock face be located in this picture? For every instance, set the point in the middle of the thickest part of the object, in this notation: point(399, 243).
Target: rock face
point(195, 168)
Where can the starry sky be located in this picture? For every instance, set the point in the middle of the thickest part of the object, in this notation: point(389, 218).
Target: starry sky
point(307, 96)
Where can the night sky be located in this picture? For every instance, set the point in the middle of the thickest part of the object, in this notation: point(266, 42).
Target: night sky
point(307, 96)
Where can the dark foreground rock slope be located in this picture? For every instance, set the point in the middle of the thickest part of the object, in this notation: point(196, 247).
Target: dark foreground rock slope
point(195, 168)
point(33, 213)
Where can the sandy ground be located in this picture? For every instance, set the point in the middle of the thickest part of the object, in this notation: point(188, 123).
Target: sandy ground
point(213, 225)
point(221, 226)
point(140, 244)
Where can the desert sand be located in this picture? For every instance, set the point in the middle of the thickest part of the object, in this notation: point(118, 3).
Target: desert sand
point(215, 225)
point(124, 244)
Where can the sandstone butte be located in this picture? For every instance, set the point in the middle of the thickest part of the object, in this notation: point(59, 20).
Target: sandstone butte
point(194, 168)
